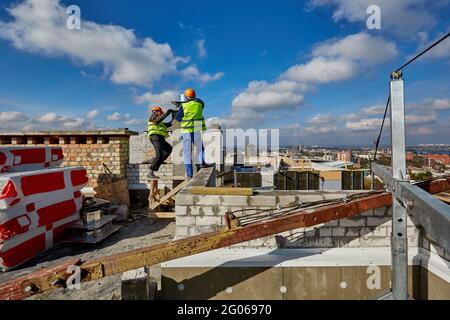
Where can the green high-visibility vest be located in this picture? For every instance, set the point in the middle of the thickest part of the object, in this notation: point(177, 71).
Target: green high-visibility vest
point(193, 120)
point(160, 129)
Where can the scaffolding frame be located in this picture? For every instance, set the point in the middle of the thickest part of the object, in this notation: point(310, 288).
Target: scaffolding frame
point(427, 212)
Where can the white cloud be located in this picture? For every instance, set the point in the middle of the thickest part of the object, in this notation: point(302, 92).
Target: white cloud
point(333, 60)
point(321, 119)
point(360, 47)
point(238, 119)
point(12, 120)
point(92, 114)
point(403, 17)
point(157, 98)
point(75, 123)
point(201, 50)
point(135, 122)
point(437, 104)
point(116, 116)
point(321, 129)
point(412, 119)
point(12, 116)
point(421, 131)
point(192, 73)
point(341, 59)
point(39, 26)
point(321, 70)
point(364, 124)
point(261, 95)
point(48, 117)
point(126, 119)
point(373, 110)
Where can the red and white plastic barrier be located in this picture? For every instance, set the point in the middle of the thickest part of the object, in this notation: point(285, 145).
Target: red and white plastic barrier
point(29, 158)
point(21, 248)
point(35, 186)
point(18, 220)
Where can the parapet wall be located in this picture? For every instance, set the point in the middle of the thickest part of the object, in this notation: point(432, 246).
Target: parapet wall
point(197, 214)
point(81, 148)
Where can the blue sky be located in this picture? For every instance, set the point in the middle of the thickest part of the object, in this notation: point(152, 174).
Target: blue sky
point(312, 69)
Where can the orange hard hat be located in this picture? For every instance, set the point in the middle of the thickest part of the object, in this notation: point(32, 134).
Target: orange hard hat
point(190, 93)
point(157, 108)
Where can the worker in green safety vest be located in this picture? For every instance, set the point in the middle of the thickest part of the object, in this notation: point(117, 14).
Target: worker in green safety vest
point(190, 115)
point(157, 131)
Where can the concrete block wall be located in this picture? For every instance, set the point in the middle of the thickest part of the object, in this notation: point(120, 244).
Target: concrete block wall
point(138, 175)
point(197, 214)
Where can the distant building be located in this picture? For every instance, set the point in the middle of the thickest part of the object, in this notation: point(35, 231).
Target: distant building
point(409, 156)
point(344, 156)
point(442, 158)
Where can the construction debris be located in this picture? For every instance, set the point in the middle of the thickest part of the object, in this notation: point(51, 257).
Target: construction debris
point(96, 222)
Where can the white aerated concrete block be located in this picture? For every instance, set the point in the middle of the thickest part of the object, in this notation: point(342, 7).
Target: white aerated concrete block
point(338, 232)
point(376, 221)
point(208, 221)
point(208, 200)
point(325, 232)
point(182, 231)
point(285, 201)
point(181, 210)
point(185, 221)
point(353, 222)
point(263, 201)
point(234, 201)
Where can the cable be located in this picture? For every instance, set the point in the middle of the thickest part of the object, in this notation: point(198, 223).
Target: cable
point(268, 214)
point(424, 51)
point(377, 142)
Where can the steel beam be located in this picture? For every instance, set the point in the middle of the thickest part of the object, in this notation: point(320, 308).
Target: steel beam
point(399, 239)
point(426, 211)
point(51, 278)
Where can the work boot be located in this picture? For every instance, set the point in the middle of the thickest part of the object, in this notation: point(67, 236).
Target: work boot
point(152, 176)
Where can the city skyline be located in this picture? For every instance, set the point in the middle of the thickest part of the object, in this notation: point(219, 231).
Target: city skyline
point(312, 69)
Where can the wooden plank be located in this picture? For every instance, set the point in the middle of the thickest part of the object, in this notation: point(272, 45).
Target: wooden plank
point(154, 195)
point(121, 262)
point(180, 178)
point(162, 215)
point(172, 192)
point(443, 197)
point(222, 191)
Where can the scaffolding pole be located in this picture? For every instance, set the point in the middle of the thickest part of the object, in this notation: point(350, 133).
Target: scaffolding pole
point(399, 239)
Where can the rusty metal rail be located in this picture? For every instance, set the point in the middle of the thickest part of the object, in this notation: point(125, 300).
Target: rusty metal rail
point(57, 277)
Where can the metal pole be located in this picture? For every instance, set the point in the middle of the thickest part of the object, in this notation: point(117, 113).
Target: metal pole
point(399, 240)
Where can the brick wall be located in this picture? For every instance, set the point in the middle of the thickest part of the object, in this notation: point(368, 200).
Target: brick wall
point(82, 148)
